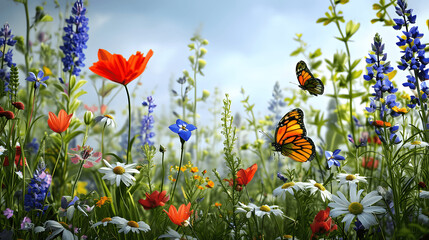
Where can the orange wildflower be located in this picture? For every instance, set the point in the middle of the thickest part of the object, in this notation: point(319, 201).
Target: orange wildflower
point(379, 123)
point(210, 184)
point(61, 123)
point(117, 69)
point(102, 201)
point(180, 217)
point(218, 204)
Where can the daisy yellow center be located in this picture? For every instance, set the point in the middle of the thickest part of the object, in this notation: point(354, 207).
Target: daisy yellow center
point(119, 170)
point(355, 208)
point(416, 142)
point(350, 177)
point(108, 116)
point(288, 185)
point(320, 186)
point(287, 236)
point(265, 208)
point(133, 224)
point(106, 219)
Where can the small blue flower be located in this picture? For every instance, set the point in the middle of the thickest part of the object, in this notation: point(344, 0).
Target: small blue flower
point(38, 80)
point(333, 157)
point(183, 129)
point(281, 177)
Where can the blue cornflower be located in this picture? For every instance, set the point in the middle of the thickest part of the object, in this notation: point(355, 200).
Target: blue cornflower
point(147, 123)
point(37, 190)
point(38, 80)
point(333, 157)
point(183, 129)
point(75, 39)
point(281, 177)
point(32, 146)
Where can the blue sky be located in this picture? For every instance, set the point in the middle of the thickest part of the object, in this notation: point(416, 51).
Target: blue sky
point(250, 41)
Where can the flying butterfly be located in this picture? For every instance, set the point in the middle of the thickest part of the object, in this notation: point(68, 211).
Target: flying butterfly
point(307, 81)
point(290, 137)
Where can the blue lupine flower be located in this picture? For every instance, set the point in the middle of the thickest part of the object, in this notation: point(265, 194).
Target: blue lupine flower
point(8, 58)
point(38, 80)
point(281, 177)
point(183, 129)
point(276, 104)
point(147, 123)
point(37, 190)
point(75, 39)
point(333, 157)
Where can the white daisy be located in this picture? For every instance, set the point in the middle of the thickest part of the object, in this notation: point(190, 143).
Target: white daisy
point(119, 172)
point(105, 221)
point(424, 194)
point(58, 228)
point(415, 144)
point(356, 208)
point(133, 226)
point(268, 210)
point(288, 187)
point(345, 178)
point(2, 150)
point(105, 120)
point(173, 235)
point(248, 209)
point(318, 187)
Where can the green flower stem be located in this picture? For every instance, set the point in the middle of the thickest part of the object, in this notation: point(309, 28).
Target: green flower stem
point(102, 141)
point(349, 73)
point(129, 160)
point(32, 106)
point(163, 172)
point(178, 171)
point(82, 162)
point(55, 168)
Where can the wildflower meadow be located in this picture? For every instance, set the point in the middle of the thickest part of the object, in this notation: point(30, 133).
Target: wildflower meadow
point(357, 168)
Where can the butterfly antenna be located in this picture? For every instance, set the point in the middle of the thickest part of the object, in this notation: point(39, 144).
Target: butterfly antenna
point(267, 135)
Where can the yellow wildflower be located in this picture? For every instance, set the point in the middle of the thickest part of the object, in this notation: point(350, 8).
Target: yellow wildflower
point(210, 184)
point(194, 169)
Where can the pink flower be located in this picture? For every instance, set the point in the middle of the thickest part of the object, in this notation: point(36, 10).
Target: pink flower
point(8, 213)
point(26, 223)
point(86, 154)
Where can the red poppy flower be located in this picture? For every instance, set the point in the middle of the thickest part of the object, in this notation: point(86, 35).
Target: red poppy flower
point(369, 163)
point(18, 105)
point(244, 176)
point(61, 123)
point(322, 224)
point(17, 158)
point(154, 200)
point(180, 217)
point(116, 68)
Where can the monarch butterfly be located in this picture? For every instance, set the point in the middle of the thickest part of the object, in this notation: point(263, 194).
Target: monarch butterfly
point(290, 137)
point(307, 81)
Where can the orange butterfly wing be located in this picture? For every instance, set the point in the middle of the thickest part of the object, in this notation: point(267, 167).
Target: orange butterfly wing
point(290, 137)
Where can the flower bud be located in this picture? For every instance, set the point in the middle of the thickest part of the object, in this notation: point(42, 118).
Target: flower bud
point(191, 46)
point(206, 94)
point(8, 114)
point(162, 149)
point(201, 64)
point(18, 105)
point(192, 59)
point(203, 52)
point(88, 118)
point(205, 42)
point(185, 73)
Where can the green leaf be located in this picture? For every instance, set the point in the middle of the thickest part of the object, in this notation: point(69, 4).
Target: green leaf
point(107, 89)
point(316, 64)
point(316, 53)
point(356, 74)
point(354, 95)
point(355, 63)
point(82, 92)
point(376, 6)
point(115, 156)
point(72, 135)
point(47, 18)
point(79, 84)
point(297, 51)
point(321, 20)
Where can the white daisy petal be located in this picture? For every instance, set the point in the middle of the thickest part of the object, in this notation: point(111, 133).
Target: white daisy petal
point(367, 219)
point(348, 220)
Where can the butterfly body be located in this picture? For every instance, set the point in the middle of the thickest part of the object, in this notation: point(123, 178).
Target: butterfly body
point(307, 81)
point(290, 137)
